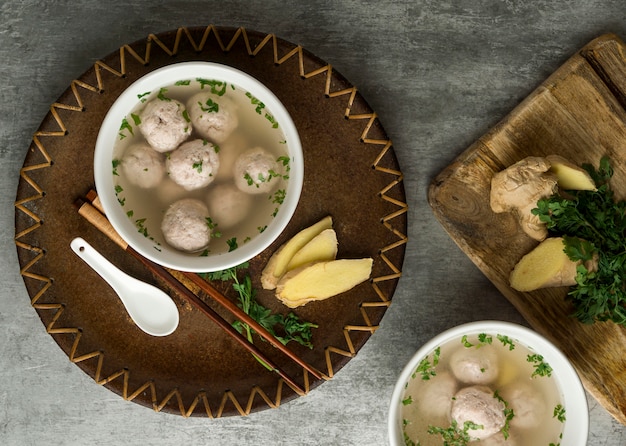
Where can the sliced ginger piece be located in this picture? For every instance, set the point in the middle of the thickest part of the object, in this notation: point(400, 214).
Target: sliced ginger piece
point(323, 247)
point(321, 280)
point(546, 266)
point(569, 175)
point(277, 265)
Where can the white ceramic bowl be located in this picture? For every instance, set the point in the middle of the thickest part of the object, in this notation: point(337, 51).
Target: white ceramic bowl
point(575, 428)
point(103, 157)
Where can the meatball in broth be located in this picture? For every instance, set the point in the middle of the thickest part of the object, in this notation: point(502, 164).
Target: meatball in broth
point(164, 124)
point(194, 164)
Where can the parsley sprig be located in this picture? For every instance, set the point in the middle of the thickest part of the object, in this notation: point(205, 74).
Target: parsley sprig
point(284, 328)
point(593, 224)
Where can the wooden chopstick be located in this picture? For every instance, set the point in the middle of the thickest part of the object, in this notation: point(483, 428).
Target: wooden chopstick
point(94, 216)
point(229, 305)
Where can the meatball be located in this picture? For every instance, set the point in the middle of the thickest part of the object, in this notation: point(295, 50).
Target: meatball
point(194, 164)
point(164, 124)
point(478, 405)
point(228, 205)
point(436, 398)
point(186, 225)
point(143, 166)
point(475, 365)
point(527, 403)
point(255, 171)
point(213, 116)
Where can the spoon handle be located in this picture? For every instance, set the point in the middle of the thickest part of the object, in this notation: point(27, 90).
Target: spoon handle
point(109, 272)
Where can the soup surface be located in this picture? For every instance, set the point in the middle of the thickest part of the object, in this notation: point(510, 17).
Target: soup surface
point(480, 382)
point(241, 129)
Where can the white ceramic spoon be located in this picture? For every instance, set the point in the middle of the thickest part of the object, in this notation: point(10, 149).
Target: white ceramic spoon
point(149, 307)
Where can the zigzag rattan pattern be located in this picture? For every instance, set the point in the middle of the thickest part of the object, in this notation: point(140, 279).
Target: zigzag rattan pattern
point(200, 404)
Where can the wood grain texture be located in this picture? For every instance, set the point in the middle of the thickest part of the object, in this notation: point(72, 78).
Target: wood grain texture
point(578, 112)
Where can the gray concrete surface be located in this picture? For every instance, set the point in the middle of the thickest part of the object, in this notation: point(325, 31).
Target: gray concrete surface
point(439, 74)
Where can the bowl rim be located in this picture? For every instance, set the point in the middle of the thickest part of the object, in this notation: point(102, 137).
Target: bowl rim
point(107, 135)
point(576, 426)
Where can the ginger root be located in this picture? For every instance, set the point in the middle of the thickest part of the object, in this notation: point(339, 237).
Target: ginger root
point(518, 188)
point(278, 264)
point(321, 280)
point(546, 266)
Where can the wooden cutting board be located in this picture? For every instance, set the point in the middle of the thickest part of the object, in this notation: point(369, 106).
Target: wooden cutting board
point(578, 112)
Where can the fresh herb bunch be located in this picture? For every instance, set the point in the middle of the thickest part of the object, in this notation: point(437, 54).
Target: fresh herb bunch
point(593, 225)
point(284, 328)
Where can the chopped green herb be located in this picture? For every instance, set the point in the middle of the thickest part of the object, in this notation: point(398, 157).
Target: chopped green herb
point(279, 196)
point(232, 244)
point(272, 120)
point(116, 164)
point(259, 106)
point(426, 368)
point(197, 166)
point(125, 126)
point(541, 368)
point(453, 435)
point(217, 87)
point(142, 96)
point(465, 342)
point(559, 413)
point(186, 118)
point(506, 341)
point(161, 96)
point(136, 118)
point(408, 400)
point(485, 339)
point(508, 415)
point(183, 83)
point(209, 106)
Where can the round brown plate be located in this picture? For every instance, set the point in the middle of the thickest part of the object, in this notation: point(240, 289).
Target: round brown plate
point(351, 173)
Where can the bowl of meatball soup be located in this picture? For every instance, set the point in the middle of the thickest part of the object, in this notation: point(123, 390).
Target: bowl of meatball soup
point(198, 166)
point(488, 383)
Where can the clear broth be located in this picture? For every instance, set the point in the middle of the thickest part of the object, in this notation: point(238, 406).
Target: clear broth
point(514, 370)
point(257, 127)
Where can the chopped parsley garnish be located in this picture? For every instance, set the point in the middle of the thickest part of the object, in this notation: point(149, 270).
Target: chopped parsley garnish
point(217, 87)
point(426, 367)
point(506, 341)
point(232, 244)
point(161, 96)
point(125, 126)
point(508, 415)
point(272, 120)
point(559, 413)
point(136, 118)
point(454, 435)
point(542, 368)
point(209, 106)
point(116, 164)
point(183, 83)
point(408, 400)
point(197, 166)
point(143, 96)
point(259, 106)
